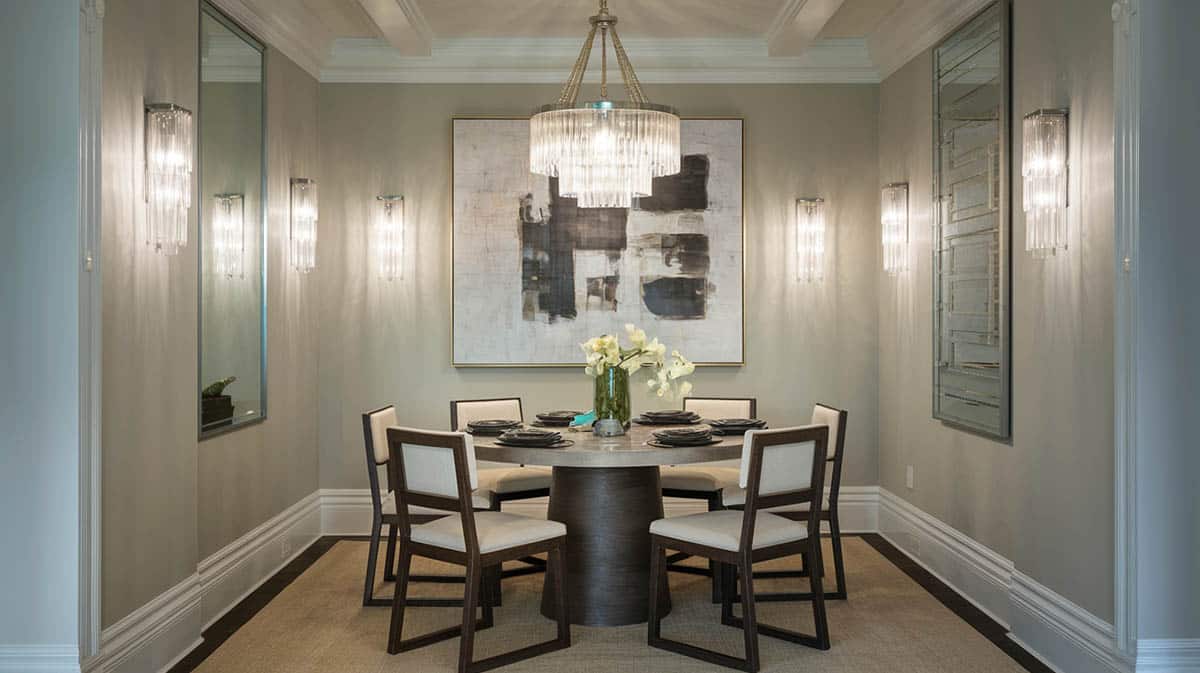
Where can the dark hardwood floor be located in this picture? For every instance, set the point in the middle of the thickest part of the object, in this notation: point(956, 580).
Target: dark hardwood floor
point(244, 611)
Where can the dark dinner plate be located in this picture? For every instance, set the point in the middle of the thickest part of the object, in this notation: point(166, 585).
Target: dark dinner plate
point(563, 415)
point(729, 432)
point(664, 445)
point(670, 413)
point(560, 444)
point(737, 422)
point(546, 423)
point(642, 420)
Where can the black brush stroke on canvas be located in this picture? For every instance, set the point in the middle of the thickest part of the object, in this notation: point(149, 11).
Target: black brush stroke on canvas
point(675, 289)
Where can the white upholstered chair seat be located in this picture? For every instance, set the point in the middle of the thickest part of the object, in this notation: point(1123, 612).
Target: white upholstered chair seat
point(699, 477)
point(723, 529)
point(736, 497)
point(480, 499)
point(495, 530)
point(504, 480)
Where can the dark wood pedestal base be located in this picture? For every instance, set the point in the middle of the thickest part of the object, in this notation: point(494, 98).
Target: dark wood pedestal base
point(607, 511)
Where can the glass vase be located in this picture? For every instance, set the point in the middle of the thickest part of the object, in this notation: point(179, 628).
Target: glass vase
point(612, 396)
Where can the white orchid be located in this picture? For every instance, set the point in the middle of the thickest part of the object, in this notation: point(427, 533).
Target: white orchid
point(605, 351)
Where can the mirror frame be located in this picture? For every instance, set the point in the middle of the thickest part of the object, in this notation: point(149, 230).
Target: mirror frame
point(1003, 431)
point(207, 8)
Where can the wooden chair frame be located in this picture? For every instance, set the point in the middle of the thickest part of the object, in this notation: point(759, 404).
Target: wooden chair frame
point(478, 565)
point(835, 529)
point(739, 565)
point(714, 502)
point(532, 563)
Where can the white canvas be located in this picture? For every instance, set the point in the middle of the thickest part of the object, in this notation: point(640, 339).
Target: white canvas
point(498, 316)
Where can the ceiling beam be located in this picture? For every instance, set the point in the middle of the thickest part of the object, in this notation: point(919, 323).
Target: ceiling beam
point(797, 25)
point(402, 25)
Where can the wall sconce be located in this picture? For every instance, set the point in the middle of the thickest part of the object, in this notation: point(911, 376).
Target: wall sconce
point(810, 239)
point(303, 234)
point(1044, 168)
point(168, 190)
point(389, 236)
point(894, 218)
point(229, 234)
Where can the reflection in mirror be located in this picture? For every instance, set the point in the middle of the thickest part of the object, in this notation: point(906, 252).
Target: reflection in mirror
point(971, 239)
point(232, 263)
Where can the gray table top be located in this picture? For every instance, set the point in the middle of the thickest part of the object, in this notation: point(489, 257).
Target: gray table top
point(628, 450)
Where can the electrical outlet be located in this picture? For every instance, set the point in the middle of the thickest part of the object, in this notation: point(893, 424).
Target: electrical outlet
point(908, 476)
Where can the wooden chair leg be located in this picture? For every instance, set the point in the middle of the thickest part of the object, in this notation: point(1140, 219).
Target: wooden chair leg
point(389, 570)
point(397, 626)
point(372, 560)
point(839, 562)
point(818, 601)
point(558, 561)
point(715, 503)
point(728, 592)
point(466, 645)
point(657, 578)
point(749, 617)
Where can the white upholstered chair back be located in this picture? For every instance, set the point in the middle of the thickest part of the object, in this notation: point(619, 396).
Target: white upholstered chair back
point(785, 467)
point(720, 408)
point(823, 415)
point(380, 421)
point(431, 469)
point(466, 411)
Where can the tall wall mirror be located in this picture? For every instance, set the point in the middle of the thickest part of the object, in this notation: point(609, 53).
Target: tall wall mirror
point(233, 307)
point(971, 265)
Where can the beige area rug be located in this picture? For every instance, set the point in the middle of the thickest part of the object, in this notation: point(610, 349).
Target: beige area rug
point(889, 625)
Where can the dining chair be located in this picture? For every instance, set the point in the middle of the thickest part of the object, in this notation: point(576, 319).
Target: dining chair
point(504, 483)
point(438, 470)
point(384, 512)
point(778, 468)
point(823, 414)
point(705, 481)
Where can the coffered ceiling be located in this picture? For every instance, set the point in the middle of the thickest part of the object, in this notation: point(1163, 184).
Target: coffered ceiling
point(537, 40)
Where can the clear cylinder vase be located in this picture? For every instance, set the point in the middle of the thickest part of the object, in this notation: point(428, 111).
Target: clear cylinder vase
point(612, 396)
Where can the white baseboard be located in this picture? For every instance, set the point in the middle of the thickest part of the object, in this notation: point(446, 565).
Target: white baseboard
point(39, 659)
point(243, 565)
point(155, 636)
point(1178, 655)
point(978, 573)
point(1061, 634)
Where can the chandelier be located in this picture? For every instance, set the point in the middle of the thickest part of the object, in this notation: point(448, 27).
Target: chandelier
point(605, 152)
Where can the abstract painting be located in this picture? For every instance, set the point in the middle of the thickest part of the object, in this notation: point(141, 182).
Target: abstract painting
point(535, 276)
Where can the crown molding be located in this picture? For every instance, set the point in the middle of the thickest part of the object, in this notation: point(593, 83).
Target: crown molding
point(913, 27)
point(549, 60)
point(278, 33)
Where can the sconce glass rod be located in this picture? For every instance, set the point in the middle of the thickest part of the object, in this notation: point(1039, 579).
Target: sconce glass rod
point(229, 234)
point(1044, 169)
point(389, 236)
point(810, 239)
point(894, 218)
point(168, 189)
point(303, 232)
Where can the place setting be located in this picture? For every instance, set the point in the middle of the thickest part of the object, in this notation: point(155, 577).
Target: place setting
point(735, 426)
point(555, 419)
point(532, 438)
point(681, 437)
point(492, 427)
point(668, 417)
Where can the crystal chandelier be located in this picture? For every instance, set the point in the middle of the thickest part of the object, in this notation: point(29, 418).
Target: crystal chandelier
point(604, 153)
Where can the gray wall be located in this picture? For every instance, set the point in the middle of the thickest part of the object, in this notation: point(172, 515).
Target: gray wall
point(39, 311)
point(169, 500)
point(1168, 324)
point(1045, 500)
point(390, 342)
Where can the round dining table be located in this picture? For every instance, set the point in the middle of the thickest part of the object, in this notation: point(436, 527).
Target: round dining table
point(607, 491)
